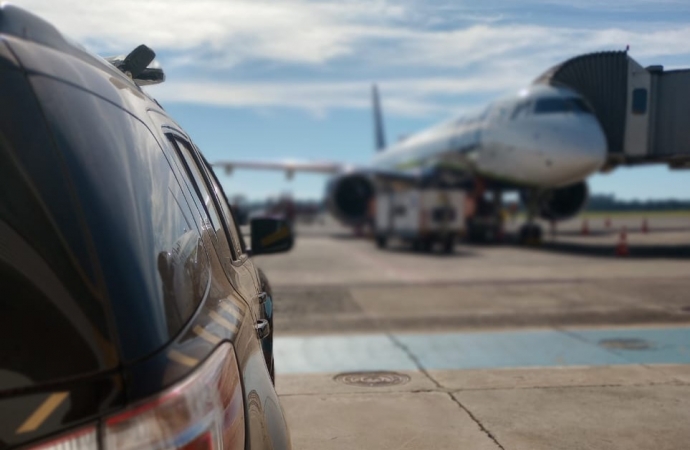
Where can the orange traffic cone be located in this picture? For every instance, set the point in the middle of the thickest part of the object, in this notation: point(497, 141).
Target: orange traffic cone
point(622, 247)
point(585, 227)
point(645, 226)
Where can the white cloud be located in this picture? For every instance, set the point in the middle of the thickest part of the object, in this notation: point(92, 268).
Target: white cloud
point(329, 43)
point(410, 97)
point(290, 30)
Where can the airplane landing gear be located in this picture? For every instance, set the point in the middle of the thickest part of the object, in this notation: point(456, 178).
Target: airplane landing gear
point(486, 223)
point(381, 241)
point(530, 233)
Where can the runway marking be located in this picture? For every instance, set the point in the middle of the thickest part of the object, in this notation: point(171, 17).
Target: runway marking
point(222, 321)
point(481, 350)
point(44, 411)
point(208, 337)
point(183, 359)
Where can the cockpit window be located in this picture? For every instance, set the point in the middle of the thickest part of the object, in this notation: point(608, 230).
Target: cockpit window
point(580, 105)
point(551, 106)
point(561, 105)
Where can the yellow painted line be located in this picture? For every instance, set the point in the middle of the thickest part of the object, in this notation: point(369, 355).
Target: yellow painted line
point(39, 416)
point(232, 310)
point(182, 358)
point(209, 337)
point(220, 320)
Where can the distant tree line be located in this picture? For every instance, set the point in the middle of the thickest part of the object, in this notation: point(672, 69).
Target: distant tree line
point(607, 202)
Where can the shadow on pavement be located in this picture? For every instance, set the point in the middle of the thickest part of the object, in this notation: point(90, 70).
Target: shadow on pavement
point(615, 231)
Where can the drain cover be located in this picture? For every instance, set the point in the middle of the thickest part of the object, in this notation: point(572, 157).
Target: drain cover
point(626, 344)
point(372, 379)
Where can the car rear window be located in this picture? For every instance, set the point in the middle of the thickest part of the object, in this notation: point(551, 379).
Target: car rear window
point(53, 319)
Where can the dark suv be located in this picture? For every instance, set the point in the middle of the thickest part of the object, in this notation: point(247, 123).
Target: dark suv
point(131, 315)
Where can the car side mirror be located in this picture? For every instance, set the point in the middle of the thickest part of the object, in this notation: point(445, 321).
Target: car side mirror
point(270, 235)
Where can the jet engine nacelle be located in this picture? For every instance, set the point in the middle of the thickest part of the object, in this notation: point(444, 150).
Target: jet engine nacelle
point(562, 203)
point(349, 196)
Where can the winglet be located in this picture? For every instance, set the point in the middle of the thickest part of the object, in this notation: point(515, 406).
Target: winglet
point(379, 134)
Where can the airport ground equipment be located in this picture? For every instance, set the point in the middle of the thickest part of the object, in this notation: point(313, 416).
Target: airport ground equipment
point(422, 217)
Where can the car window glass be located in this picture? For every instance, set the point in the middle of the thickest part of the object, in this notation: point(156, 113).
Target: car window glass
point(235, 235)
point(154, 268)
point(179, 248)
point(47, 295)
point(207, 202)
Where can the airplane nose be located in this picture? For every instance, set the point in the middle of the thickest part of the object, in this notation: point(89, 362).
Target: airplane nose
point(583, 151)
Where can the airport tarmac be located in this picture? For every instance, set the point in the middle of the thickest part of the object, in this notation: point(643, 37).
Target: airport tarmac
point(564, 346)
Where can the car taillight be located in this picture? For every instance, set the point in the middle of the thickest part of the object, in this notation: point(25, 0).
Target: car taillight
point(203, 412)
point(82, 439)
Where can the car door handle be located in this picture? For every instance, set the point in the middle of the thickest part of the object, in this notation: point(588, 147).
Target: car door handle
point(263, 328)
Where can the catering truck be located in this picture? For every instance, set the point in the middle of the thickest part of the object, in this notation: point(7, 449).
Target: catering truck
point(422, 217)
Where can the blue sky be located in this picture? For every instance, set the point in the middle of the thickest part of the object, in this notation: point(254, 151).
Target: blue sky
point(261, 80)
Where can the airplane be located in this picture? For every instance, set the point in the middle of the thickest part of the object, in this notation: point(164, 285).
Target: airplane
point(542, 142)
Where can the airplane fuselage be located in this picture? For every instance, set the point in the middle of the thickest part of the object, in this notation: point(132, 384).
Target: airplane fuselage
point(545, 137)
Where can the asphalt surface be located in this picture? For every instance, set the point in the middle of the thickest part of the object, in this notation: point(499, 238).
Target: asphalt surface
point(565, 345)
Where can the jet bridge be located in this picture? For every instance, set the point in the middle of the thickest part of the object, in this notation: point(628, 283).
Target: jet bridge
point(645, 112)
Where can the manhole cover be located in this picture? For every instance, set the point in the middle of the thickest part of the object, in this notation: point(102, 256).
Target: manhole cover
point(372, 379)
point(626, 344)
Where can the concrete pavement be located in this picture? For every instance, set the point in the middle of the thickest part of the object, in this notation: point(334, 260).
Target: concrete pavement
point(623, 407)
point(559, 347)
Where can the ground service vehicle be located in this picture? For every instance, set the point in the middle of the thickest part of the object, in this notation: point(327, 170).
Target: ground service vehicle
point(420, 216)
point(132, 315)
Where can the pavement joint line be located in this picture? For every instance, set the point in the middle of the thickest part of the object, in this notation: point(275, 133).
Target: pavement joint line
point(656, 368)
point(476, 420)
point(674, 382)
point(443, 390)
point(372, 392)
point(413, 358)
point(418, 363)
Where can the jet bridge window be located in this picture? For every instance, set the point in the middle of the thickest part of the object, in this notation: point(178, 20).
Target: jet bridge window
point(639, 101)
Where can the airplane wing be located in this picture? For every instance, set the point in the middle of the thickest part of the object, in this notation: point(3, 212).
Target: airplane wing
point(289, 166)
point(323, 167)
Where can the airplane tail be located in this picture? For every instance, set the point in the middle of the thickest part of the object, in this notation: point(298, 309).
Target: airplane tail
point(379, 134)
